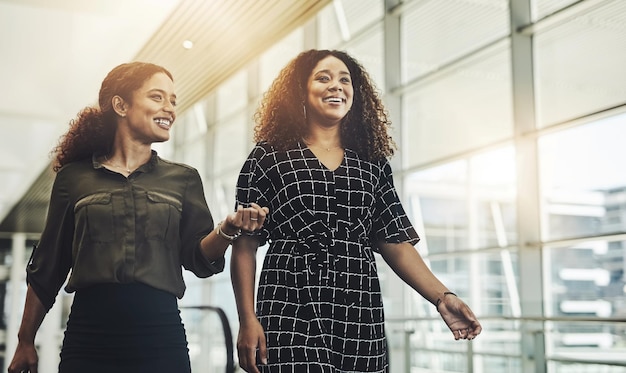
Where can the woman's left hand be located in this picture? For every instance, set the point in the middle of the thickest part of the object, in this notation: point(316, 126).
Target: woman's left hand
point(248, 218)
point(459, 318)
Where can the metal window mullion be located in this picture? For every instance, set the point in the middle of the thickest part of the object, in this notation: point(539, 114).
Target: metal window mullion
point(393, 104)
point(528, 212)
point(393, 78)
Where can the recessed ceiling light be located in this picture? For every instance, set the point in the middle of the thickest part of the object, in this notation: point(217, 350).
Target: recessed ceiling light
point(187, 44)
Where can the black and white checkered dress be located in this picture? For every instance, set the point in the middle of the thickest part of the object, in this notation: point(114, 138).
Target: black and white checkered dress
point(319, 298)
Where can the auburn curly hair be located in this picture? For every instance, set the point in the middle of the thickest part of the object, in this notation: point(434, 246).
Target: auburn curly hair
point(281, 118)
point(93, 129)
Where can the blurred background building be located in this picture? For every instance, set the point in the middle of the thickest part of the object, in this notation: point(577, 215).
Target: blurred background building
point(510, 118)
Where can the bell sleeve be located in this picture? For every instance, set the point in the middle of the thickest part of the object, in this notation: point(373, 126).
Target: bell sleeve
point(252, 186)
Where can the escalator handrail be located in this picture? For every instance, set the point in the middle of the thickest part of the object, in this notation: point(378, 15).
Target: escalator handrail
point(228, 335)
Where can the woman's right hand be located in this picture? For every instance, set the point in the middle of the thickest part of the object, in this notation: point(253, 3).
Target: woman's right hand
point(251, 346)
point(25, 359)
point(248, 218)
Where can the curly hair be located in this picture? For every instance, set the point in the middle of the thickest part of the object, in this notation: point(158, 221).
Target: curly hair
point(281, 117)
point(93, 129)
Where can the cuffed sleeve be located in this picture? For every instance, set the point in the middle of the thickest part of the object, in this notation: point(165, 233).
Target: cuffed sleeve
point(197, 223)
point(52, 258)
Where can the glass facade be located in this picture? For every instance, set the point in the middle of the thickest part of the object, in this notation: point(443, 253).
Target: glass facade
point(592, 79)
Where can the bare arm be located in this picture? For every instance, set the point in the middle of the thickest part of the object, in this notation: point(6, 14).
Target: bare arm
point(25, 357)
point(251, 335)
point(243, 269)
point(408, 264)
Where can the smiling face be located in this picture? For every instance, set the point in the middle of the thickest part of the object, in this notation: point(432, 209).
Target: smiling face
point(330, 92)
point(151, 111)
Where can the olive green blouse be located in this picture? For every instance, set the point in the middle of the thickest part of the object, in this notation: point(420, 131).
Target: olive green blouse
point(107, 228)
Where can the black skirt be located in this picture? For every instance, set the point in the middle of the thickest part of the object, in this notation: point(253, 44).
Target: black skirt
point(124, 328)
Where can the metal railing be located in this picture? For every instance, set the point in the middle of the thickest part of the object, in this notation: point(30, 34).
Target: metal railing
point(537, 330)
point(228, 335)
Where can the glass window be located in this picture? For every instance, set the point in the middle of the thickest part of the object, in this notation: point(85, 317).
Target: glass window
point(462, 206)
point(504, 338)
point(195, 155)
point(166, 150)
point(189, 140)
point(429, 361)
point(328, 30)
point(428, 337)
point(192, 123)
point(543, 8)
point(359, 14)
point(340, 21)
point(435, 33)
point(232, 96)
point(583, 196)
point(585, 280)
point(437, 206)
point(504, 364)
point(489, 282)
point(368, 50)
point(231, 143)
point(466, 204)
point(222, 200)
point(567, 367)
point(466, 108)
point(580, 65)
point(275, 58)
point(582, 192)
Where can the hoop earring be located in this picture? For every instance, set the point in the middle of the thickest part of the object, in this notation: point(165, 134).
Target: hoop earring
point(304, 110)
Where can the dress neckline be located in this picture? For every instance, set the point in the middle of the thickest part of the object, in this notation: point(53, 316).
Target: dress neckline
point(304, 147)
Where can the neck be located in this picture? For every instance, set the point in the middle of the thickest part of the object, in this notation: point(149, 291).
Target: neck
point(127, 160)
point(328, 147)
point(323, 137)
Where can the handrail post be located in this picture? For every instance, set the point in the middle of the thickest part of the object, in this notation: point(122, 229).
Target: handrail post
point(407, 349)
point(540, 351)
point(470, 356)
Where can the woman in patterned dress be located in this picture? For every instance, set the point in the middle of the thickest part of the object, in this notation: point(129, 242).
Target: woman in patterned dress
point(320, 165)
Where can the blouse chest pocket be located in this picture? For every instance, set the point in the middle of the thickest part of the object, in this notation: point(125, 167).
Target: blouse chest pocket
point(163, 217)
point(94, 217)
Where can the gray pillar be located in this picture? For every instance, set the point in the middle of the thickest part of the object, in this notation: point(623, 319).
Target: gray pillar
point(399, 345)
point(528, 214)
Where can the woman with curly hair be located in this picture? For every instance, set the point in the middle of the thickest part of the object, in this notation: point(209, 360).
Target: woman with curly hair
point(321, 166)
point(123, 223)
